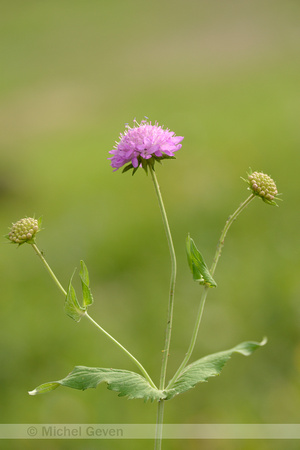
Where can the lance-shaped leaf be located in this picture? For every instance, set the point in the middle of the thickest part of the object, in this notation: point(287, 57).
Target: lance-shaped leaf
point(85, 283)
point(209, 366)
point(197, 264)
point(72, 307)
point(127, 383)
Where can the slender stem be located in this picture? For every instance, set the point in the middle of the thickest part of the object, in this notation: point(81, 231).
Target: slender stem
point(136, 362)
point(193, 339)
point(228, 224)
point(172, 281)
point(159, 425)
point(168, 332)
point(144, 372)
point(220, 245)
point(37, 251)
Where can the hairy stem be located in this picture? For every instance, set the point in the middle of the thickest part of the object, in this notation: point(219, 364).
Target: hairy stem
point(159, 425)
point(168, 332)
point(228, 224)
point(40, 255)
point(136, 362)
point(220, 245)
point(172, 281)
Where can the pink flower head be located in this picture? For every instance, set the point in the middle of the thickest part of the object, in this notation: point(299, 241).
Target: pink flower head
point(143, 145)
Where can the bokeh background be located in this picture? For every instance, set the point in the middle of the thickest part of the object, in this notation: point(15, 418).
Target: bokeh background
point(225, 75)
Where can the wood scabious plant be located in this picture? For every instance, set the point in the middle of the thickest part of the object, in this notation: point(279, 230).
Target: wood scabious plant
point(141, 147)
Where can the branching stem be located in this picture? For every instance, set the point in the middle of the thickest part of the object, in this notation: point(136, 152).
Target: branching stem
point(85, 314)
point(220, 245)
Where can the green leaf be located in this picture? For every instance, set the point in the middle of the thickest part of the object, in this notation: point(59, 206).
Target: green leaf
point(209, 366)
point(72, 307)
point(44, 388)
point(197, 265)
point(126, 168)
point(127, 383)
point(85, 283)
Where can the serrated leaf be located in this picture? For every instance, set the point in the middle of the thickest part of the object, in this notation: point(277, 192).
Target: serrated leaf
point(124, 382)
point(85, 283)
point(72, 307)
point(197, 264)
point(209, 366)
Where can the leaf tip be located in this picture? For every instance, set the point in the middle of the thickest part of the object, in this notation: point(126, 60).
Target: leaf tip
point(264, 341)
point(34, 392)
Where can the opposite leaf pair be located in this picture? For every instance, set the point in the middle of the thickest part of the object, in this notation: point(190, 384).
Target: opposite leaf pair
point(72, 306)
point(133, 385)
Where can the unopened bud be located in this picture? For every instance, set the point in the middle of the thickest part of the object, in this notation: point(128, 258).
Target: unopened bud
point(263, 186)
point(24, 231)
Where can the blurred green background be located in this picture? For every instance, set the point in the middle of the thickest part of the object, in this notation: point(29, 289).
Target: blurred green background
point(223, 74)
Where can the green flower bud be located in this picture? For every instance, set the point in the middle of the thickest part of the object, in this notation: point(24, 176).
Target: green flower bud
point(24, 231)
point(263, 186)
